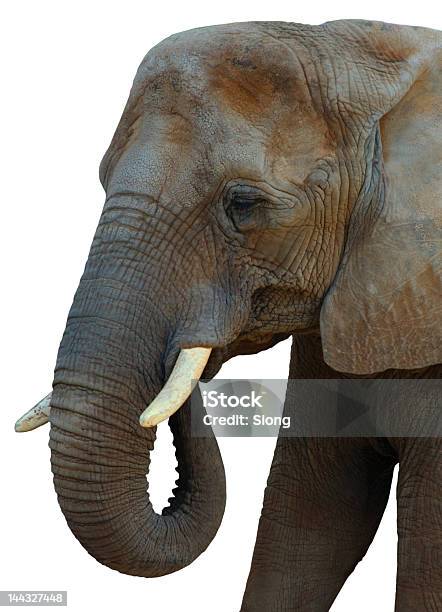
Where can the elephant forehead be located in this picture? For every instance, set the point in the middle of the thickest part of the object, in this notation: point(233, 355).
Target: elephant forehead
point(236, 86)
point(240, 65)
point(225, 99)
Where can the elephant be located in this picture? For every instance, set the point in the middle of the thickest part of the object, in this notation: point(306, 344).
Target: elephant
point(266, 180)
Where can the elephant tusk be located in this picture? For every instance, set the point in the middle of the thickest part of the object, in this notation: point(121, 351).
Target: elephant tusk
point(185, 374)
point(36, 416)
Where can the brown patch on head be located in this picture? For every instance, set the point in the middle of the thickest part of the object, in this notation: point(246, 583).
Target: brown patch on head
point(178, 130)
point(245, 90)
point(384, 41)
point(265, 87)
point(249, 80)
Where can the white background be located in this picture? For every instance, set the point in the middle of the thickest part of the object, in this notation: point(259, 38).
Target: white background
point(67, 68)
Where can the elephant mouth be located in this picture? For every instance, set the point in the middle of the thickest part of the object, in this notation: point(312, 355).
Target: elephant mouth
point(192, 364)
point(244, 344)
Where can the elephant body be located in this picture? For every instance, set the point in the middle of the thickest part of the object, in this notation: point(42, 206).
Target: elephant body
point(325, 498)
point(266, 180)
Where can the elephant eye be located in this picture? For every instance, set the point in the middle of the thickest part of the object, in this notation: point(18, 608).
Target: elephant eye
point(246, 203)
point(245, 209)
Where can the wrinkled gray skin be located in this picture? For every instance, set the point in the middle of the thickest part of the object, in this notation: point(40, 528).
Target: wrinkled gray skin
point(244, 185)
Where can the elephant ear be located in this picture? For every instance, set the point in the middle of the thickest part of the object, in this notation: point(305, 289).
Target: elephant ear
point(384, 308)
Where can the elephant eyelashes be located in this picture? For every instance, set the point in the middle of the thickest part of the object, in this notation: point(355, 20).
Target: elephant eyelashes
point(246, 210)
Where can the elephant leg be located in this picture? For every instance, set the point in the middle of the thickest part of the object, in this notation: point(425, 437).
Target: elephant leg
point(419, 579)
point(322, 506)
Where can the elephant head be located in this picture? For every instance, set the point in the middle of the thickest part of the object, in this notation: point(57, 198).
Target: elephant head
point(265, 179)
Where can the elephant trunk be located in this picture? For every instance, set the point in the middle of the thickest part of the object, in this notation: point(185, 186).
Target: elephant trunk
point(100, 469)
point(110, 366)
